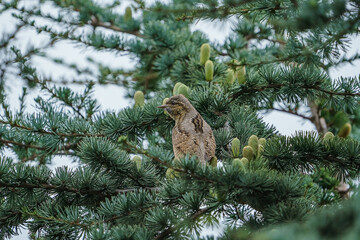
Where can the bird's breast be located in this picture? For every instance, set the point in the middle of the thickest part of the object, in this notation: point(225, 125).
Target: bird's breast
point(193, 136)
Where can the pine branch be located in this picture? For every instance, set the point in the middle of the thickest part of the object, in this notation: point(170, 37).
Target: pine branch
point(43, 131)
point(83, 192)
point(43, 155)
point(333, 93)
point(35, 215)
point(134, 149)
point(278, 86)
point(318, 121)
point(193, 217)
point(344, 59)
point(68, 35)
point(68, 103)
point(6, 39)
point(288, 58)
point(5, 219)
point(289, 111)
point(284, 47)
point(307, 151)
point(10, 143)
point(211, 11)
point(204, 178)
point(221, 12)
point(59, 188)
point(97, 23)
point(129, 213)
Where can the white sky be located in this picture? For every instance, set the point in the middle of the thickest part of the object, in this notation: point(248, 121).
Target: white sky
point(111, 97)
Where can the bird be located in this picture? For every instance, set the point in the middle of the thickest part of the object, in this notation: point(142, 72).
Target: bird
point(191, 134)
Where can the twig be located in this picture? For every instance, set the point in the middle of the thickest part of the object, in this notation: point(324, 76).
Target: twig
point(96, 23)
point(293, 113)
point(274, 86)
point(193, 217)
point(318, 121)
point(42, 131)
point(74, 190)
point(10, 142)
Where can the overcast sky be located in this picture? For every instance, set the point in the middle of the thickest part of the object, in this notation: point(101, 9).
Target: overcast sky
point(111, 97)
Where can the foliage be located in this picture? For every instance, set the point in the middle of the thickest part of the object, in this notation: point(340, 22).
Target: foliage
point(277, 58)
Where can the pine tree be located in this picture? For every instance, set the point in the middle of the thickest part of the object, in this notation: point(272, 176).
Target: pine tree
point(264, 185)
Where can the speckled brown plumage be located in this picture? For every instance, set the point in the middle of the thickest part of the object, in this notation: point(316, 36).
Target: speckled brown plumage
point(191, 134)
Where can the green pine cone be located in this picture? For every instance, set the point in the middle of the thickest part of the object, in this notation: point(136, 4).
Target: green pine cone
point(236, 162)
point(262, 141)
point(254, 143)
point(138, 161)
point(204, 53)
point(176, 88)
point(241, 163)
point(345, 130)
point(213, 162)
point(164, 102)
point(340, 119)
point(230, 78)
point(128, 14)
point(328, 136)
point(212, 193)
point(260, 150)
point(122, 139)
point(241, 74)
point(209, 70)
point(244, 161)
point(220, 196)
point(235, 147)
point(171, 174)
point(248, 152)
point(184, 90)
point(139, 99)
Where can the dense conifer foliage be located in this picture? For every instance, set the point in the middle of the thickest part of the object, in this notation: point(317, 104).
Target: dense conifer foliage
point(127, 185)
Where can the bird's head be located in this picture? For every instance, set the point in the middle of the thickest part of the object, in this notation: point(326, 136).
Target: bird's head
point(177, 106)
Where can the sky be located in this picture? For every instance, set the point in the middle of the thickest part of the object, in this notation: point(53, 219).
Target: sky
point(111, 97)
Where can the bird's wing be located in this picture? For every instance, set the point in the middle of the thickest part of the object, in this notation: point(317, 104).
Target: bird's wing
point(184, 143)
point(210, 145)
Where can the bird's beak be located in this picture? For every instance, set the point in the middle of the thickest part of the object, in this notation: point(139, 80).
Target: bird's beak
point(163, 106)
